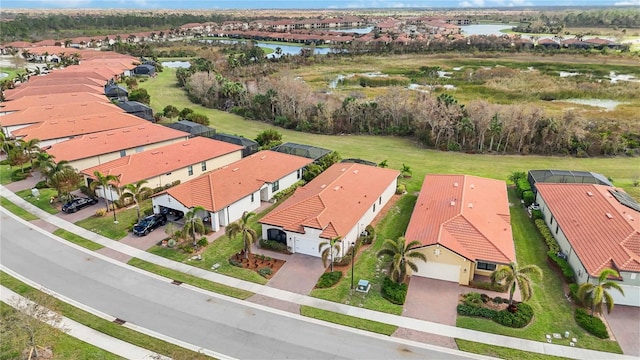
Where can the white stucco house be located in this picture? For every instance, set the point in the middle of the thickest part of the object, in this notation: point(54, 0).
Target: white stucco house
point(340, 202)
point(226, 193)
point(597, 227)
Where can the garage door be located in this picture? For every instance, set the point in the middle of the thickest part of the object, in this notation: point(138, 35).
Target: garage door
point(440, 271)
point(631, 296)
point(306, 246)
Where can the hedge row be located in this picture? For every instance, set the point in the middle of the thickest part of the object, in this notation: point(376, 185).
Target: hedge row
point(554, 249)
point(468, 310)
point(566, 269)
point(329, 279)
point(394, 292)
point(288, 191)
point(273, 245)
point(591, 324)
point(518, 319)
point(522, 185)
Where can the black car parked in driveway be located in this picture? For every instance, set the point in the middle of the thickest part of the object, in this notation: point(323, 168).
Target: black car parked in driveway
point(149, 224)
point(78, 203)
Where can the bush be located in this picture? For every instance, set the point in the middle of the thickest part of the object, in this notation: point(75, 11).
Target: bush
point(286, 192)
point(4, 162)
point(591, 324)
point(329, 279)
point(573, 293)
point(518, 319)
point(467, 310)
point(235, 262)
point(522, 185)
point(264, 272)
point(18, 175)
point(473, 299)
point(344, 261)
point(401, 189)
point(497, 300)
point(371, 234)
point(536, 214)
point(202, 242)
point(87, 191)
point(566, 269)
point(171, 243)
point(41, 185)
point(552, 244)
point(273, 245)
point(528, 197)
point(394, 292)
point(101, 212)
point(497, 287)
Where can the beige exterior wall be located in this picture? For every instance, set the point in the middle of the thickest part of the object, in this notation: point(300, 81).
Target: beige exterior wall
point(447, 256)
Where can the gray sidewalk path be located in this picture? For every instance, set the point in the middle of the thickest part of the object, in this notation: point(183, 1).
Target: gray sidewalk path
point(87, 334)
point(541, 347)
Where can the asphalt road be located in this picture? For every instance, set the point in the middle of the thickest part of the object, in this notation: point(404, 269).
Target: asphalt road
point(237, 329)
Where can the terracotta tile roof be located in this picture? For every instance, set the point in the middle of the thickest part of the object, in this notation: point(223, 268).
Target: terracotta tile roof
point(222, 187)
point(466, 214)
point(105, 142)
point(52, 79)
point(80, 125)
point(35, 90)
point(51, 99)
point(334, 201)
point(38, 114)
point(162, 160)
point(599, 240)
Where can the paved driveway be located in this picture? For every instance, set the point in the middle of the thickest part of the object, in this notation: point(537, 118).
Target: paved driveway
point(625, 324)
point(299, 274)
point(432, 300)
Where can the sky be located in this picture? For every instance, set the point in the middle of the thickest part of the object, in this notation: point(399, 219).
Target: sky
point(298, 4)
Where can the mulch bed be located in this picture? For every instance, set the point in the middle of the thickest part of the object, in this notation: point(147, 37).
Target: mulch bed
point(256, 262)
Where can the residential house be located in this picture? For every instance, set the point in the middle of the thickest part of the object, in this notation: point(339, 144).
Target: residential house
point(26, 90)
point(90, 150)
point(248, 146)
point(194, 129)
point(25, 102)
point(463, 225)
point(138, 109)
point(167, 165)
point(37, 114)
point(340, 202)
point(596, 227)
point(227, 193)
point(55, 131)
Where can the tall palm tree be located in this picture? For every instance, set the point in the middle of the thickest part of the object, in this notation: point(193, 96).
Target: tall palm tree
point(249, 236)
point(105, 182)
point(401, 255)
point(512, 275)
point(43, 163)
point(193, 223)
point(595, 295)
point(30, 147)
point(57, 167)
point(136, 191)
point(65, 181)
point(330, 247)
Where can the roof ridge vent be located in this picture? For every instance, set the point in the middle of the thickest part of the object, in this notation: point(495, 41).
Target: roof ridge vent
point(235, 169)
point(186, 143)
point(455, 184)
point(630, 217)
point(472, 186)
point(343, 169)
point(589, 193)
point(155, 152)
point(355, 171)
point(609, 215)
point(453, 203)
point(470, 205)
point(323, 186)
point(336, 188)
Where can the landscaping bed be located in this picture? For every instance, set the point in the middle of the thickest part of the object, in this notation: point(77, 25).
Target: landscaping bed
point(265, 266)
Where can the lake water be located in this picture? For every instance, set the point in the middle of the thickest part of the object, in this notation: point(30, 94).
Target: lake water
point(608, 105)
point(176, 64)
point(3, 75)
point(365, 30)
point(484, 29)
point(286, 49)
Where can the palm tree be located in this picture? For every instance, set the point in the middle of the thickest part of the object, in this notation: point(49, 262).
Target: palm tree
point(249, 236)
point(105, 182)
point(595, 295)
point(57, 167)
point(30, 148)
point(136, 191)
point(43, 163)
point(406, 171)
point(401, 255)
point(331, 246)
point(65, 181)
point(193, 223)
point(512, 275)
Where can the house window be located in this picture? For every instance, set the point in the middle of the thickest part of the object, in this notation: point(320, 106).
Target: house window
point(380, 200)
point(485, 266)
point(204, 166)
point(551, 221)
point(374, 207)
point(557, 227)
point(190, 170)
point(140, 149)
point(275, 186)
point(299, 173)
point(123, 153)
point(252, 196)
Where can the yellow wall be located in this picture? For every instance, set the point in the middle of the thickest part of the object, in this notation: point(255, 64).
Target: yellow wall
point(447, 256)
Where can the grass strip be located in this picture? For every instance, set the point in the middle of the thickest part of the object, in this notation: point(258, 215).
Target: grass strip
point(78, 240)
point(501, 352)
point(42, 201)
point(346, 320)
point(104, 326)
point(24, 214)
point(190, 279)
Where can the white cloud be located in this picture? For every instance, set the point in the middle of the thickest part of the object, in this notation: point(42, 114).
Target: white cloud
point(628, 3)
point(66, 3)
point(472, 3)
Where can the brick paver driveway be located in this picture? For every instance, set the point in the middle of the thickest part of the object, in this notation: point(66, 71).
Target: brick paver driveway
point(625, 324)
point(299, 274)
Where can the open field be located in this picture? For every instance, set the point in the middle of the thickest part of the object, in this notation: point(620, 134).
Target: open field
point(397, 151)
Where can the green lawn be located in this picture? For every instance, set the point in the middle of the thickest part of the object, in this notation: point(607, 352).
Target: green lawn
point(501, 352)
point(16, 209)
point(77, 239)
point(101, 325)
point(106, 227)
point(552, 312)
point(190, 279)
point(396, 150)
point(346, 320)
point(5, 174)
point(42, 201)
point(63, 346)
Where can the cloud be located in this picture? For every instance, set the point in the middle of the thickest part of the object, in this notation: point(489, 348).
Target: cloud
point(628, 3)
point(65, 3)
point(472, 3)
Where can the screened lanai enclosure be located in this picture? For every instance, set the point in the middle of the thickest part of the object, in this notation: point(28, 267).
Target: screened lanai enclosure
point(308, 151)
point(566, 177)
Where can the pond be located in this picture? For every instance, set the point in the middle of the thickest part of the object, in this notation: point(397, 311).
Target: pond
point(608, 105)
point(3, 75)
point(176, 64)
point(485, 29)
point(286, 49)
point(364, 30)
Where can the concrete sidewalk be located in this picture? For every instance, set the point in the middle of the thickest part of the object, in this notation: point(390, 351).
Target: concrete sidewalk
point(84, 333)
point(541, 347)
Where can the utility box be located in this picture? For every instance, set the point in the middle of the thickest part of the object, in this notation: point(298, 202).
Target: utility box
point(363, 286)
point(35, 192)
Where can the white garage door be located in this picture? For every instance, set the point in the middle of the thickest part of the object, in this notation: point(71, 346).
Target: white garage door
point(440, 271)
point(306, 246)
point(631, 296)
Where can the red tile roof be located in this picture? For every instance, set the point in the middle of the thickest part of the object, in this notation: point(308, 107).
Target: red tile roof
point(35, 90)
point(52, 79)
point(466, 214)
point(601, 231)
point(105, 142)
point(51, 99)
point(334, 201)
point(220, 188)
point(80, 125)
point(162, 160)
point(38, 114)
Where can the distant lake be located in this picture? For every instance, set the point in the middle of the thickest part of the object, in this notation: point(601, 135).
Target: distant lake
point(355, 30)
point(484, 29)
point(176, 64)
point(3, 75)
point(286, 49)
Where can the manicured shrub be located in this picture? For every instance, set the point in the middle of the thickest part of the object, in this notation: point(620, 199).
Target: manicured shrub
point(235, 262)
point(552, 244)
point(400, 189)
point(171, 243)
point(518, 319)
point(394, 292)
point(573, 293)
point(18, 175)
point(473, 299)
point(203, 242)
point(288, 191)
point(265, 272)
point(522, 185)
point(273, 245)
point(566, 269)
point(497, 287)
point(528, 197)
point(329, 279)
point(343, 261)
point(41, 185)
point(497, 300)
point(101, 212)
point(87, 191)
point(536, 214)
point(4, 162)
point(591, 324)
point(466, 310)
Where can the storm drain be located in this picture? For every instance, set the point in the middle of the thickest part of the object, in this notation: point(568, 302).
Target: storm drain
point(176, 282)
point(119, 321)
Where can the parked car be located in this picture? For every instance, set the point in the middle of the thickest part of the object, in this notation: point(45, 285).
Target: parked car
point(149, 223)
point(78, 203)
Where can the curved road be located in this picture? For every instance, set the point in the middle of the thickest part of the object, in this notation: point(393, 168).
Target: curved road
point(228, 326)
